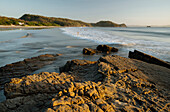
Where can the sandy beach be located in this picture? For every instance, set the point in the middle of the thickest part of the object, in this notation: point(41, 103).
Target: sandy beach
point(13, 26)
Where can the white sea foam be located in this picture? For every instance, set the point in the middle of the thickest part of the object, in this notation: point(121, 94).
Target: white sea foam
point(96, 36)
point(141, 40)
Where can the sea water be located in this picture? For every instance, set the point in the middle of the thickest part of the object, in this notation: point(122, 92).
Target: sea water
point(18, 44)
point(153, 41)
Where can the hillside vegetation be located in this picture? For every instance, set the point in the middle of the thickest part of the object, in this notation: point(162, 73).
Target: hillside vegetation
point(37, 20)
point(51, 21)
point(9, 21)
point(107, 24)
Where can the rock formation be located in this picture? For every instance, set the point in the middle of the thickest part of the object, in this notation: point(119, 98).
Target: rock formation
point(89, 51)
point(113, 83)
point(25, 67)
point(106, 49)
point(147, 58)
point(100, 49)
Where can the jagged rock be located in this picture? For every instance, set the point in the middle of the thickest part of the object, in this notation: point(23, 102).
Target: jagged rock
point(113, 83)
point(89, 51)
point(147, 58)
point(25, 67)
point(100, 49)
point(37, 83)
point(106, 49)
point(68, 66)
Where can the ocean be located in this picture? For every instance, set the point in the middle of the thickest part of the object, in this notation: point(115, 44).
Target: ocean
point(18, 44)
point(153, 41)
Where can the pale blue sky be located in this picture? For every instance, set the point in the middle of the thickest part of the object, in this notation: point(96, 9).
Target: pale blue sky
point(131, 12)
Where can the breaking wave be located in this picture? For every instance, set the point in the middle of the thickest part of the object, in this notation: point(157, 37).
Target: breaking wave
point(156, 43)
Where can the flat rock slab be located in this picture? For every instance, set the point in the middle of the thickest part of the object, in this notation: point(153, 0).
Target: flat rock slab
point(25, 67)
point(113, 83)
point(148, 58)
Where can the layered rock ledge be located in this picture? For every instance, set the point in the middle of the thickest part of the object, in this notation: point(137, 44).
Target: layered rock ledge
point(25, 67)
point(148, 58)
point(112, 83)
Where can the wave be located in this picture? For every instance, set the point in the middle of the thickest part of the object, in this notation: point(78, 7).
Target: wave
point(96, 36)
point(160, 49)
point(145, 32)
point(103, 36)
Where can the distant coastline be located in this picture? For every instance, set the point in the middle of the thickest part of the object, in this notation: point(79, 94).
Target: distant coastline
point(15, 26)
point(38, 20)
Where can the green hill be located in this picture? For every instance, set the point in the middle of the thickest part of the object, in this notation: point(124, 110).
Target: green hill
point(9, 21)
point(108, 24)
point(52, 21)
point(37, 20)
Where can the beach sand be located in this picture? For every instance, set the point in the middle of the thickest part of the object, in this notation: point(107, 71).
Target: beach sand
point(13, 26)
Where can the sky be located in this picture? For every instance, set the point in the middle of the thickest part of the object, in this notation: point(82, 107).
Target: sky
point(130, 12)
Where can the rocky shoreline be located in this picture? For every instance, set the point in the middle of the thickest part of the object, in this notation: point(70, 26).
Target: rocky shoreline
point(112, 83)
point(25, 67)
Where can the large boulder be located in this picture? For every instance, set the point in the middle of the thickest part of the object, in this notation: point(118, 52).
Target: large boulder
point(106, 49)
point(100, 49)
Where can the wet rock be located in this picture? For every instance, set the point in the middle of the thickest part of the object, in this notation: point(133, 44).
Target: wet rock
point(114, 49)
point(100, 49)
point(25, 67)
point(113, 83)
point(106, 49)
point(89, 51)
point(147, 58)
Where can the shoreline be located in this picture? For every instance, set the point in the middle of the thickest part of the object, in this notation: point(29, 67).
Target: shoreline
point(112, 77)
point(9, 26)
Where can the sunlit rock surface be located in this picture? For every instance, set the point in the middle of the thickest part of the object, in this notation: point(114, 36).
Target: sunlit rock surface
point(113, 83)
point(25, 67)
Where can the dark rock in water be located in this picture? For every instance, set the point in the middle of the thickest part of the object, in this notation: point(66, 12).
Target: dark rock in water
point(25, 67)
point(114, 49)
point(100, 49)
point(89, 51)
point(106, 49)
point(113, 83)
point(147, 58)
